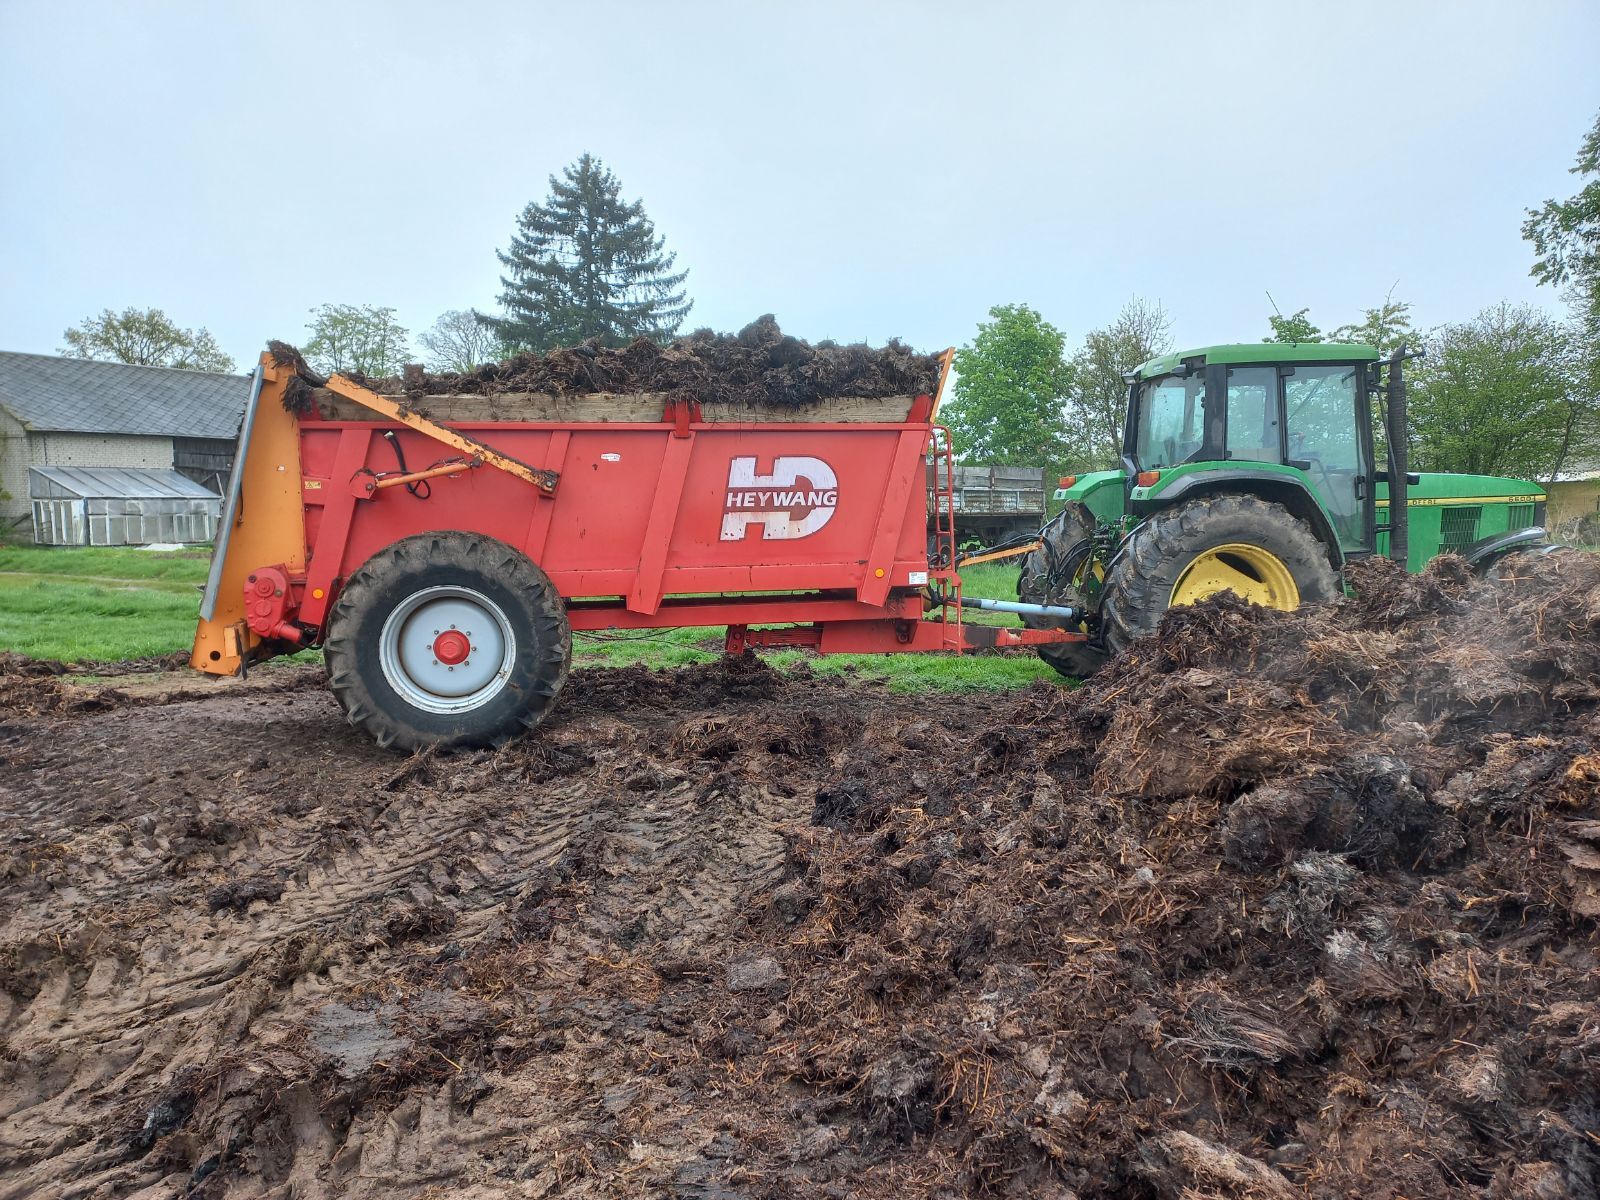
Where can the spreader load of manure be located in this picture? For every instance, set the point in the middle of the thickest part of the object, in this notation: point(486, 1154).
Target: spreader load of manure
point(1279, 904)
point(759, 367)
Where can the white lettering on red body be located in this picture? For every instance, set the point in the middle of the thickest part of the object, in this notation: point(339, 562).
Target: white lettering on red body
point(794, 501)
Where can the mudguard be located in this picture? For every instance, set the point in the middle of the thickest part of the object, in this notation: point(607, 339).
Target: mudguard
point(1482, 553)
point(1279, 485)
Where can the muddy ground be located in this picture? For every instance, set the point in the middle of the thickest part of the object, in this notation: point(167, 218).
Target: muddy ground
point(759, 365)
point(1276, 906)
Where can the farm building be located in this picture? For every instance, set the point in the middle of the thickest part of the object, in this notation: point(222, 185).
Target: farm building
point(151, 432)
point(119, 506)
point(1575, 502)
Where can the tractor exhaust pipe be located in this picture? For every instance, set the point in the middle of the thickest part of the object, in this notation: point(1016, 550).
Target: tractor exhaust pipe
point(1396, 430)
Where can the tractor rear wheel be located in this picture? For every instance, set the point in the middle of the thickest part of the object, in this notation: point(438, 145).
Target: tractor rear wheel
point(447, 639)
point(1042, 582)
point(1239, 543)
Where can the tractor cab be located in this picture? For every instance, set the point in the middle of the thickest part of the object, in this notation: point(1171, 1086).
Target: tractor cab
point(1295, 420)
point(1254, 469)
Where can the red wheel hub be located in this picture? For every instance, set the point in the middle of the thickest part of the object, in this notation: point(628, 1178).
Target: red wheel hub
point(451, 647)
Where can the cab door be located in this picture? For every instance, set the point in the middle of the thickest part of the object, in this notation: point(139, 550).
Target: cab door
point(1323, 438)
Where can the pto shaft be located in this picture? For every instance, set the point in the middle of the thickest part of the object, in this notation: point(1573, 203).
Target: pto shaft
point(1061, 613)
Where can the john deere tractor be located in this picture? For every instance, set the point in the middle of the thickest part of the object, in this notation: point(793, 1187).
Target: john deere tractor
point(1252, 469)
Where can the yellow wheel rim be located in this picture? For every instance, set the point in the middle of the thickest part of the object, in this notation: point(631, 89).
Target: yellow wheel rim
point(1249, 572)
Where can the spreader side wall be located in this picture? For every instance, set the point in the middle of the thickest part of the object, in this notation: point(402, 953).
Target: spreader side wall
point(642, 513)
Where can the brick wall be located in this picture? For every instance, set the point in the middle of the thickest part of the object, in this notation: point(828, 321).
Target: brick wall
point(99, 450)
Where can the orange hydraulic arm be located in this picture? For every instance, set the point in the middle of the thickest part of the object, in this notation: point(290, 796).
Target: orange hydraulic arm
point(545, 481)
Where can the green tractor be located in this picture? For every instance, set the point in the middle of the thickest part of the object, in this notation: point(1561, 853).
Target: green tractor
point(1251, 469)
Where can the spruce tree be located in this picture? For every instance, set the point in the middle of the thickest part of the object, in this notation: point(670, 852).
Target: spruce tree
point(586, 264)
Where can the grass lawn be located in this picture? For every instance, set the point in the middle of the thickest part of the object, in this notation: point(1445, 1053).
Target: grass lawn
point(76, 604)
point(117, 564)
point(906, 672)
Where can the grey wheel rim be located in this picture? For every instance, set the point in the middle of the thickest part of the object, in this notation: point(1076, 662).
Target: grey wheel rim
point(447, 649)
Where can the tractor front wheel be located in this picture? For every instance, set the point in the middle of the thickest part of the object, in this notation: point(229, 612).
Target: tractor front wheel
point(1503, 568)
point(1229, 543)
point(447, 639)
point(1060, 573)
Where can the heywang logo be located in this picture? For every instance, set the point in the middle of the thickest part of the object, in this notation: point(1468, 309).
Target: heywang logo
point(795, 501)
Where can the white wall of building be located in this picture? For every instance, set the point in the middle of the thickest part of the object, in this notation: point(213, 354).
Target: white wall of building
point(13, 469)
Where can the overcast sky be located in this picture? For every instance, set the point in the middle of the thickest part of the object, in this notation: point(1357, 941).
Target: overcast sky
point(863, 170)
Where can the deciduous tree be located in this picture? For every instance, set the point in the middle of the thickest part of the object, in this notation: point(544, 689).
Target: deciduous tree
point(1566, 244)
point(1098, 404)
point(587, 264)
point(460, 341)
point(362, 338)
point(1012, 379)
point(146, 337)
point(1500, 395)
point(1295, 329)
point(1385, 327)
point(1566, 233)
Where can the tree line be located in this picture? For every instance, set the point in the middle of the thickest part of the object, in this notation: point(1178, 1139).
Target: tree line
point(1513, 390)
point(583, 264)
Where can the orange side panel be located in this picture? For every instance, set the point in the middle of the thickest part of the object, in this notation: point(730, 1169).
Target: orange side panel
point(268, 526)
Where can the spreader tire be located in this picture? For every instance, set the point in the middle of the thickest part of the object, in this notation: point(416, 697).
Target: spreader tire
point(447, 639)
point(1183, 554)
point(1075, 660)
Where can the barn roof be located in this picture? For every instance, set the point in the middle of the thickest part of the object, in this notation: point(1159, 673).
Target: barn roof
point(78, 395)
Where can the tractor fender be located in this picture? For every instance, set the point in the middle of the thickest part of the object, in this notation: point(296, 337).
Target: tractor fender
point(1276, 487)
point(1482, 554)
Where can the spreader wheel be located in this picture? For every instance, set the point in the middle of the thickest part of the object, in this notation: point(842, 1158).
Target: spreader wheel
point(447, 639)
point(1242, 544)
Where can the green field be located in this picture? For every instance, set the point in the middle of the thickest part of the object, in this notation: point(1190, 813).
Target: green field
point(77, 605)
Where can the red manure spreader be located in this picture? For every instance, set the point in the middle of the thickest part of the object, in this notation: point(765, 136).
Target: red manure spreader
point(442, 549)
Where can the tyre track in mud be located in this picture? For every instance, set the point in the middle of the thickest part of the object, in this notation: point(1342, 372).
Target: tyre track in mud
point(1278, 905)
point(186, 883)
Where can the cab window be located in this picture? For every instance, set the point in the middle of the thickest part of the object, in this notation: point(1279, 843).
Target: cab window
point(1171, 420)
point(1322, 416)
point(1325, 442)
point(1254, 432)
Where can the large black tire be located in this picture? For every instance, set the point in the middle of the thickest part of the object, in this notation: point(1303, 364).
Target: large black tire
point(1140, 582)
point(1075, 660)
point(402, 688)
